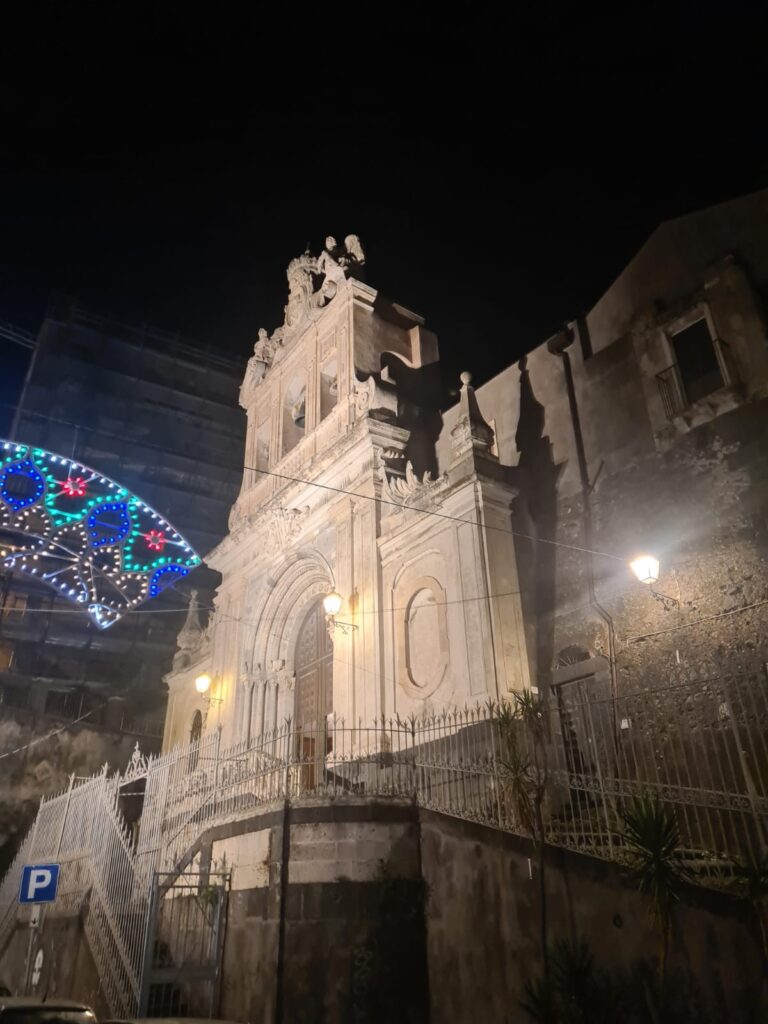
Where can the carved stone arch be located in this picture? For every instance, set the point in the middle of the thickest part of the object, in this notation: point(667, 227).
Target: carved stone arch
point(302, 577)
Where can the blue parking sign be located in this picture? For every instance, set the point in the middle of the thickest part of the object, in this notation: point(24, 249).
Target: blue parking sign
point(39, 883)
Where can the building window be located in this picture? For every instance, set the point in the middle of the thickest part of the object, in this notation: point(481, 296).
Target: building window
point(294, 413)
point(15, 604)
point(63, 703)
point(6, 656)
point(702, 365)
point(14, 697)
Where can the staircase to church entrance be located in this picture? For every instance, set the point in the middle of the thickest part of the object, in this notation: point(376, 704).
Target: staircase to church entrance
point(181, 973)
point(698, 747)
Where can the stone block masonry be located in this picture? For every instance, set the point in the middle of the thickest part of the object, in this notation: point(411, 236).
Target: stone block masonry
point(384, 912)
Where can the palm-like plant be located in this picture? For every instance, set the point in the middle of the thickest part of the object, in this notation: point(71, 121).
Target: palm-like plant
point(652, 840)
point(523, 728)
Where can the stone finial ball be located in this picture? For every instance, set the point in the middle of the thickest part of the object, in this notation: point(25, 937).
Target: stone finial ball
point(466, 378)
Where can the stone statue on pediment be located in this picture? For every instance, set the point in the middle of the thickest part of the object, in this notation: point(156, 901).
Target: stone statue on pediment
point(312, 282)
point(300, 289)
point(266, 351)
point(337, 263)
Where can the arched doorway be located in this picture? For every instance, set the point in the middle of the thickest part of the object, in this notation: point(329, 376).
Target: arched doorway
point(314, 684)
point(197, 727)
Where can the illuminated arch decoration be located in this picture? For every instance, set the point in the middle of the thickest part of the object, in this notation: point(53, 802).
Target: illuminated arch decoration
point(94, 542)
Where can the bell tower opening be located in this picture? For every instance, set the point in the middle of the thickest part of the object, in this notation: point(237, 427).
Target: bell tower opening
point(314, 685)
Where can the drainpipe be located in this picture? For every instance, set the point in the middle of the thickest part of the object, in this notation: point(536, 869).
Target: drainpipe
point(558, 346)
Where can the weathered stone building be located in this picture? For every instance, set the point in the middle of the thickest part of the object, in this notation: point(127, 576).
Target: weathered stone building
point(487, 550)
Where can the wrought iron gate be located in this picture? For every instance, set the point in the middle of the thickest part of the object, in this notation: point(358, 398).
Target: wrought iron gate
point(181, 973)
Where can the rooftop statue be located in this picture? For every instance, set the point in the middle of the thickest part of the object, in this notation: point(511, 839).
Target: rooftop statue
point(313, 282)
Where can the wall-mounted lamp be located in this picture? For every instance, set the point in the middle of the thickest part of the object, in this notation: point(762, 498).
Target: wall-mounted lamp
point(332, 605)
point(646, 568)
point(203, 685)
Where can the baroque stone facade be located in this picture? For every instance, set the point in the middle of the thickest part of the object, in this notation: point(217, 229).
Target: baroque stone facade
point(339, 480)
point(485, 549)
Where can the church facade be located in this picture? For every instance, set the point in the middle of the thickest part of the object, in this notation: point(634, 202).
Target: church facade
point(340, 489)
point(486, 549)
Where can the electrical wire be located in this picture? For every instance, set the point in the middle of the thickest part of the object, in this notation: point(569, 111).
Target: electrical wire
point(355, 494)
point(55, 732)
point(432, 512)
point(695, 622)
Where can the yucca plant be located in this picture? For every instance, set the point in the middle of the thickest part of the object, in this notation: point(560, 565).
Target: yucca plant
point(752, 882)
point(652, 841)
point(541, 1003)
point(573, 972)
point(575, 993)
point(523, 728)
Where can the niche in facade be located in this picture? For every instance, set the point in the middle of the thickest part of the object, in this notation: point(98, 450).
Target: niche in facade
point(423, 638)
point(294, 413)
point(262, 445)
point(329, 387)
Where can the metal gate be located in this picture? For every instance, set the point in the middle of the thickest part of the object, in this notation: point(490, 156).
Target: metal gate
point(181, 973)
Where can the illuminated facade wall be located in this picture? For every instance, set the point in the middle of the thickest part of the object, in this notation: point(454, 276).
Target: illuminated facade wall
point(487, 549)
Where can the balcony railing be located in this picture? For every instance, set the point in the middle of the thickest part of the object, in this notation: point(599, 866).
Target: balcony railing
point(677, 395)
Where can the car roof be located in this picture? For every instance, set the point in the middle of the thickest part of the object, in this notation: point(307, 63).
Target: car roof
point(12, 1002)
point(179, 1020)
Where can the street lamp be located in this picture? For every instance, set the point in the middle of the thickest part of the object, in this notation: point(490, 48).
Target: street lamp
point(203, 683)
point(332, 605)
point(646, 569)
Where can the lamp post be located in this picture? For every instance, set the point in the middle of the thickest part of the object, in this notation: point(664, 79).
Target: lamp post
point(646, 569)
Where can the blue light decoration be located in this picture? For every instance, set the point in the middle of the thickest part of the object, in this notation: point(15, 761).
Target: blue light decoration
point(90, 539)
point(21, 484)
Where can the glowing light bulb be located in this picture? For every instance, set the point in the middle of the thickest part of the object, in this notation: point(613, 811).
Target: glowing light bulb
point(646, 568)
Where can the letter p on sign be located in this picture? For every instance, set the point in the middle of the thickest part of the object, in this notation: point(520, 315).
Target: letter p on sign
point(39, 883)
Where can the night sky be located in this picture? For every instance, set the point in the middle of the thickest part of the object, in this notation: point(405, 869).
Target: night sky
point(163, 162)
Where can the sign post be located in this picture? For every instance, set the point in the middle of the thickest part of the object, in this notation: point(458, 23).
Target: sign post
point(39, 883)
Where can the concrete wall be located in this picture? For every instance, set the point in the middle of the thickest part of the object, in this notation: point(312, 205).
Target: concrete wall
point(483, 928)
point(347, 941)
point(380, 912)
point(68, 970)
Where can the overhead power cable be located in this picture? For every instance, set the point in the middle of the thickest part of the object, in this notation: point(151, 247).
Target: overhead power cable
point(432, 512)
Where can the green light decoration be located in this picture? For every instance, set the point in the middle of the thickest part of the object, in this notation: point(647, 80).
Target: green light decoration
point(92, 540)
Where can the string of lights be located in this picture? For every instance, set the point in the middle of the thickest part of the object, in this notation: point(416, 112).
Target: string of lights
point(85, 535)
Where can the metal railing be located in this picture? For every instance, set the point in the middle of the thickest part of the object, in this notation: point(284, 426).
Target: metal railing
point(701, 748)
point(83, 830)
point(675, 396)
